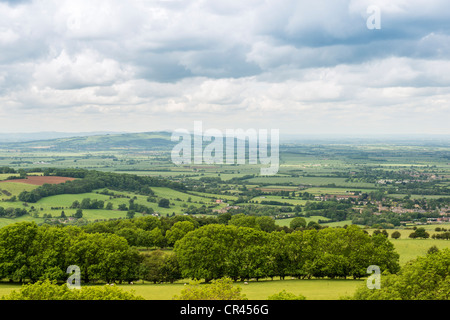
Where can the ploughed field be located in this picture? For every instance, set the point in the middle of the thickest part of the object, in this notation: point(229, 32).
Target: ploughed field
point(40, 180)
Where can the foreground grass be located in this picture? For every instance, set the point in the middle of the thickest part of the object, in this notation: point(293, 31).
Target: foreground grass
point(261, 290)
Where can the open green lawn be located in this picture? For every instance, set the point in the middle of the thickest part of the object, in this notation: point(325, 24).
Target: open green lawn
point(311, 289)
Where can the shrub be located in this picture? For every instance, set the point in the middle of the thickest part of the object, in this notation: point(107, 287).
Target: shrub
point(50, 290)
point(220, 289)
point(283, 295)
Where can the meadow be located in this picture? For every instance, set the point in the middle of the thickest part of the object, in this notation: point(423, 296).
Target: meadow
point(316, 289)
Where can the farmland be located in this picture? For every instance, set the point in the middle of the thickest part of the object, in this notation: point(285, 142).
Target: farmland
point(375, 187)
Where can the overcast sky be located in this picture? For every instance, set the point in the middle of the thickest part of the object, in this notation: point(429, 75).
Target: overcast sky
point(297, 66)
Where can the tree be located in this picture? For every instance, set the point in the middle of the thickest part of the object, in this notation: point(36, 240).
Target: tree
point(242, 220)
point(224, 218)
point(419, 233)
point(432, 249)
point(178, 231)
point(219, 289)
point(204, 252)
point(47, 258)
point(297, 222)
point(396, 235)
point(78, 214)
point(15, 249)
point(164, 203)
point(85, 203)
point(266, 224)
point(109, 206)
point(75, 204)
point(424, 278)
point(130, 214)
point(150, 269)
point(170, 270)
point(156, 237)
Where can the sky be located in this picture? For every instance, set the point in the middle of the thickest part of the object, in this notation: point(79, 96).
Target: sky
point(303, 67)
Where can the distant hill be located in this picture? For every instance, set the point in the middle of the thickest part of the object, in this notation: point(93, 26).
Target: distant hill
point(46, 135)
point(99, 142)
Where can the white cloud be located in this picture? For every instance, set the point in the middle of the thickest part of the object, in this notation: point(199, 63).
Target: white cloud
point(137, 64)
point(84, 69)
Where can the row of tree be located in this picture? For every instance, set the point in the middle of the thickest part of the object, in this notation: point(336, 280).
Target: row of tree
point(215, 251)
point(12, 212)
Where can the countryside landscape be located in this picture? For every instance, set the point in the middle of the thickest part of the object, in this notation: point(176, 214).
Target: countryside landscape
point(288, 232)
point(218, 158)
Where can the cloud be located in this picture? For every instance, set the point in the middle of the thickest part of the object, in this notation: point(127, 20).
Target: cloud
point(271, 63)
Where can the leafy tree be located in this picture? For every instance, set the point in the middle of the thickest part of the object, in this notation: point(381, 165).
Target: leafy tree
point(297, 222)
point(78, 214)
point(75, 204)
point(156, 237)
point(242, 220)
point(47, 258)
point(396, 235)
point(85, 203)
point(130, 214)
point(170, 270)
point(419, 233)
point(15, 249)
point(432, 249)
point(266, 224)
point(178, 231)
point(163, 203)
point(150, 269)
point(424, 278)
point(203, 253)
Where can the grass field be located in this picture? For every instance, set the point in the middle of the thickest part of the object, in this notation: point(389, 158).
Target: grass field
point(313, 181)
point(15, 188)
point(261, 290)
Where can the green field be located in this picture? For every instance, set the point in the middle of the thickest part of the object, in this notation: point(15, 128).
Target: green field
point(313, 181)
point(15, 188)
point(254, 290)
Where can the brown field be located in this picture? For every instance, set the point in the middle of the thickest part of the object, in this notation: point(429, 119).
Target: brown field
point(40, 180)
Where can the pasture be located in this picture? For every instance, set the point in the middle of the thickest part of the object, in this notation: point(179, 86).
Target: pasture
point(316, 289)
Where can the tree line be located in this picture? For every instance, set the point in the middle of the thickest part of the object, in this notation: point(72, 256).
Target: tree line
point(202, 250)
point(215, 251)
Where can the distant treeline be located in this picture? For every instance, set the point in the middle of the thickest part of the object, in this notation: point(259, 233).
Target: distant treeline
point(89, 180)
